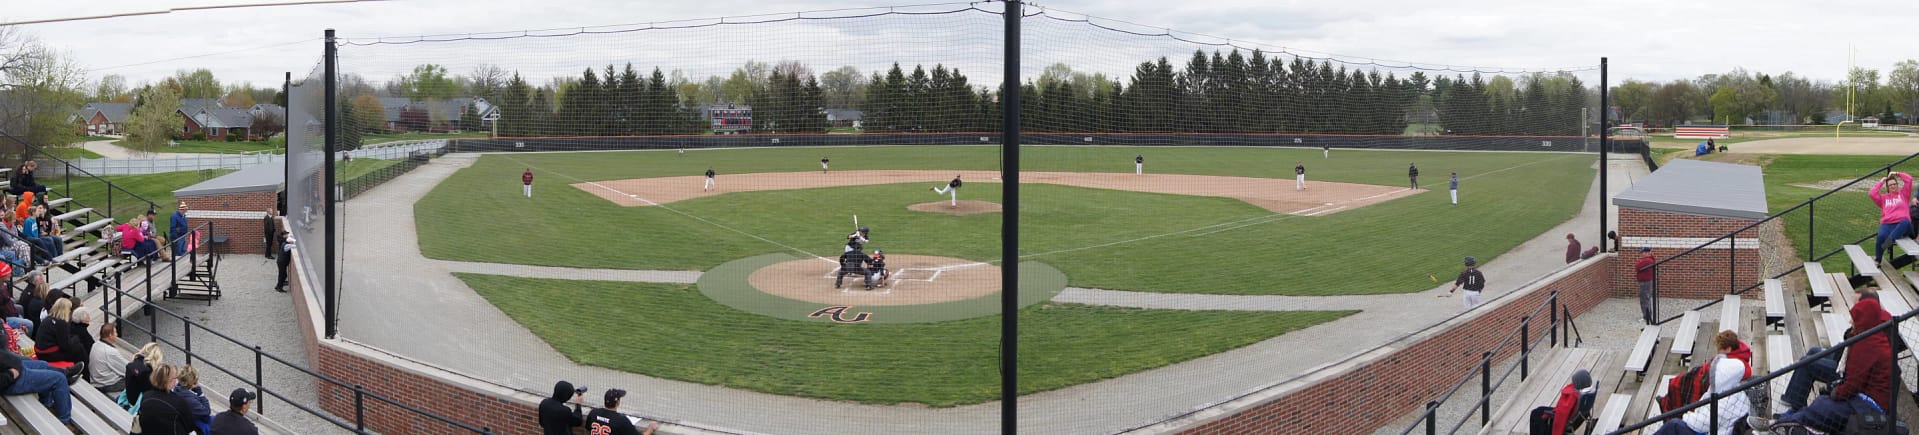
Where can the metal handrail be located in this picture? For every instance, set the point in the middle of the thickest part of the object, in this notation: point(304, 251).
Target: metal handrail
point(1892, 409)
point(1429, 417)
point(31, 148)
point(259, 354)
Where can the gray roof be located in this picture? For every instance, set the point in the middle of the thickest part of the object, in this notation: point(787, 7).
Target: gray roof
point(115, 112)
point(224, 117)
point(259, 178)
point(843, 114)
point(1701, 188)
point(437, 110)
point(193, 105)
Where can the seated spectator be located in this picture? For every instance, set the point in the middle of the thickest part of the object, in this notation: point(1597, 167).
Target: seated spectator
point(20, 209)
point(234, 420)
point(104, 363)
point(33, 304)
point(1552, 420)
point(161, 412)
point(26, 376)
point(133, 241)
point(10, 309)
point(14, 250)
point(188, 390)
point(609, 420)
point(146, 230)
point(31, 229)
point(1726, 374)
point(22, 180)
point(139, 375)
point(1867, 380)
point(56, 340)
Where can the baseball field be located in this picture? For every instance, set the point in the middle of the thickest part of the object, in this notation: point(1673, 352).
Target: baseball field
point(1204, 220)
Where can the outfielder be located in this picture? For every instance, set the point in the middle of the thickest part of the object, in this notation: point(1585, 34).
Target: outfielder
point(1472, 280)
point(823, 162)
point(1139, 164)
point(854, 262)
point(526, 182)
point(1299, 176)
point(709, 179)
point(1412, 175)
point(950, 187)
point(857, 239)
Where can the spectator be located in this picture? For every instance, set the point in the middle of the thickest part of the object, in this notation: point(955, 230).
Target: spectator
point(1472, 280)
point(33, 229)
point(188, 390)
point(286, 259)
point(104, 363)
point(234, 420)
point(1552, 419)
point(56, 340)
point(1643, 273)
point(1614, 235)
point(14, 250)
point(1895, 214)
point(140, 375)
point(154, 237)
point(12, 310)
point(609, 420)
point(34, 303)
point(22, 180)
point(20, 210)
point(554, 418)
point(1866, 383)
point(268, 232)
point(1726, 374)
point(161, 412)
point(177, 229)
point(1572, 248)
point(26, 376)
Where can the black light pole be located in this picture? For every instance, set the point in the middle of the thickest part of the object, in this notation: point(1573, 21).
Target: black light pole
point(1605, 109)
point(332, 129)
point(1009, 228)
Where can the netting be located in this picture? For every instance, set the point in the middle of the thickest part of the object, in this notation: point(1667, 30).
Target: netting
point(668, 208)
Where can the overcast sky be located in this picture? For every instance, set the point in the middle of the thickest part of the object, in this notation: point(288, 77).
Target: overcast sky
point(1656, 40)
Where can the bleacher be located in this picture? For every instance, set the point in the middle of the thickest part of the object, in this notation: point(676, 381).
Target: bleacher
point(92, 256)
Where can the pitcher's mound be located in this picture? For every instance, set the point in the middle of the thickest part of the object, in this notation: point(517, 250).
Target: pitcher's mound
point(964, 208)
point(916, 279)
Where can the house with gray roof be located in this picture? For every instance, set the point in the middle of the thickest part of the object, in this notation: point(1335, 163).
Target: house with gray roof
point(104, 118)
point(214, 121)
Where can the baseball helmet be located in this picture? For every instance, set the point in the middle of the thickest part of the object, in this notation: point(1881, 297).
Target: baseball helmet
point(865, 229)
point(1470, 261)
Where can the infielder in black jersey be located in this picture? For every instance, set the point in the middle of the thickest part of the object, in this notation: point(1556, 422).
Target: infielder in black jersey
point(823, 162)
point(1299, 175)
point(709, 179)
point(1412, 175)
point(950, 187)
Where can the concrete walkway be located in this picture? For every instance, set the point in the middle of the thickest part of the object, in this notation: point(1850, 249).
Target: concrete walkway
point(106, 148)
point(383, 249)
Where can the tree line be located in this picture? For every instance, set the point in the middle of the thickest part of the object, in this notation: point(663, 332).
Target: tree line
point(1741, 97)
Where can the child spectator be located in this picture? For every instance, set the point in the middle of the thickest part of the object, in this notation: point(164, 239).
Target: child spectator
point(32, 229)
point(188, 390)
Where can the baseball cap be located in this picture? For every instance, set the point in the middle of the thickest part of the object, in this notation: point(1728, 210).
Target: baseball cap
point(239, 397)
point(1645, 249)
point(614, 395)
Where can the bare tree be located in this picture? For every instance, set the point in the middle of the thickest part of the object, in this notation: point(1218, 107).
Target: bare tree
point(487, 80)
point(267, 123)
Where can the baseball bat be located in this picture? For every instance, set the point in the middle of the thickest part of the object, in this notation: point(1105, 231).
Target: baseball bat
point(856, 222)
point(1434, 278)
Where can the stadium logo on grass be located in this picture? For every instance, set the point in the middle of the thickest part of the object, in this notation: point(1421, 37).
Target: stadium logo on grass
point(835, 313)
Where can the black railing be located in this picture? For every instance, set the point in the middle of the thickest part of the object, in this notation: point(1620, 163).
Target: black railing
point(361, 183)
point(260, 356)
point(1733, 286)
point(1889, 328)
point(1557, 335)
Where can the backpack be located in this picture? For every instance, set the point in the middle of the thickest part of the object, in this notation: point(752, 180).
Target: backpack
point(1686, 388)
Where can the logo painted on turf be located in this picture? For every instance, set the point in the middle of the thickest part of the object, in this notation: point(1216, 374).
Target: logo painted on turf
point(837, 314)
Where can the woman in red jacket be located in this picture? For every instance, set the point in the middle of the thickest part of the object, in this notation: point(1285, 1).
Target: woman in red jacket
point(1867, 381)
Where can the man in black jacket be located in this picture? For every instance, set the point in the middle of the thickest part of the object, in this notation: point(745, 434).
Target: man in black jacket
point(854, 262)
point(268, 232)
point(609, 420)
point(554, 418)
point(234, 420)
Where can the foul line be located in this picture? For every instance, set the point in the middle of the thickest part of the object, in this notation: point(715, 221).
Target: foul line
point(671, 209)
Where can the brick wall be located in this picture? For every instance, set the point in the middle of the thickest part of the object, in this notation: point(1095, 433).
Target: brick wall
point(514, 413)
point(236, 216)
point(1703, 274)
point(1397, 380)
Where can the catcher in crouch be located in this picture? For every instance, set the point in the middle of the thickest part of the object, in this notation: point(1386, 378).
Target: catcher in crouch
point(854, 262)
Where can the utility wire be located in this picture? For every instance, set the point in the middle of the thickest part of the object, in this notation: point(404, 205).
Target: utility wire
point(181, 9)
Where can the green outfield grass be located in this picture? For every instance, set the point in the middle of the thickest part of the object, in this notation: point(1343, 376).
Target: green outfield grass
point(1099, 238)
point(1749, 136)
point(276, 145)
point(1842, 217)
point(375, 139)
point(671, 331)
point(158, 188)
point(354, 168)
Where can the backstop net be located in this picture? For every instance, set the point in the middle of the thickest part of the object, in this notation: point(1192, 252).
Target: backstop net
point(792, 223)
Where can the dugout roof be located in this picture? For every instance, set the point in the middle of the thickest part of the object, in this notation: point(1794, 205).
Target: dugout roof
point(259, 178)
point(1701, 188)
